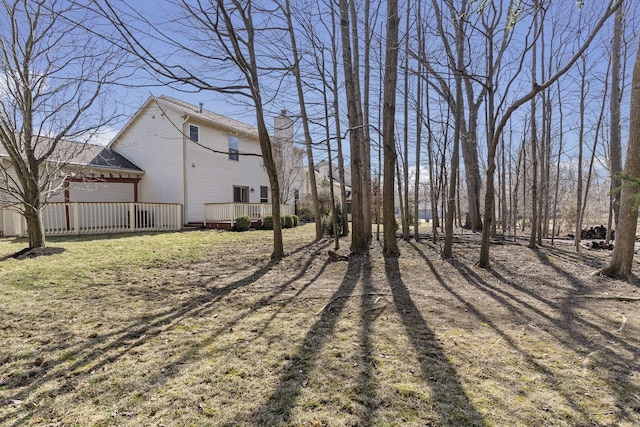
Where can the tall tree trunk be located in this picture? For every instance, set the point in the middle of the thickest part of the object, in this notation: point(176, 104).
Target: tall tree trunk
point(368, 33)
point(305, 125)
point(433, 193)
point(455, 157)
point(616, 139)
point(543, 151)
point(524, 186)
point(503, 212)
point(354, 113)
point(580, 155)
point(622, 258)
point(594, 148)
point(416, 188)
point(388, 128)
point(515, 192)
point(405, 196)
point(561, 140)
point(534, 147)
point(364, 183)
point(336, 111)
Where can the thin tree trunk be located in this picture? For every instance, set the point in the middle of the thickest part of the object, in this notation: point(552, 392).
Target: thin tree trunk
point(405, 127)
point(305, 125)
point(561, 139)
point(336, 112)
point(524, 186)
point(416, 189)
point(580, 152)
point(593, 150)
point(616, 138)
point(367, 134)
point(534, 147)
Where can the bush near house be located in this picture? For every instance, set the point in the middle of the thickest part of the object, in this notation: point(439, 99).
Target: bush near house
point(327, 223)
point(305, 214)
point(267, 222)
point(288, 221)
point(243, 223)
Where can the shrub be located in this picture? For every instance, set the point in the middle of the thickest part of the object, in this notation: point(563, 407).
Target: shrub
point(287, 221)
point(267, 222)
point(327, 223)
point(243, 223)
point(295, 220)
point(305, 214)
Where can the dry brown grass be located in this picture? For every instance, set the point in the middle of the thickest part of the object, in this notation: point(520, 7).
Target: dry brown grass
point(201, 329)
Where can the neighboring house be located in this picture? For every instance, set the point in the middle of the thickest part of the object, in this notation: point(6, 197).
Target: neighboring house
point(322, 180)
point(192, 156)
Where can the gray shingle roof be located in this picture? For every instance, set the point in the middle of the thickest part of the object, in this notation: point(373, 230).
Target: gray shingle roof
point(212, 117)
point(81, 154)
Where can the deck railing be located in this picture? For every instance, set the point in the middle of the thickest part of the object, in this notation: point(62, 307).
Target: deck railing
point(228, 212)
point(98, 218)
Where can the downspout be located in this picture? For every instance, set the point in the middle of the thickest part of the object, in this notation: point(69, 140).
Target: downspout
point(185, 209)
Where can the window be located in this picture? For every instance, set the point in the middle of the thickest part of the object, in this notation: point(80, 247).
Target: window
point(233, 148)
point(193, 133)
point(240, 194)
point(264, 194)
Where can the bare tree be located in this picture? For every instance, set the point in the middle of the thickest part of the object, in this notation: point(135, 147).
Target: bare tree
point(388, 119)
point(615, 144)
point(622, 258)
point(336, 111)
point(583, 95)
point(416, 184)
point(305, 123)
point(227, 46)
point(359, 236)
point(53, 75)
point(500, 121)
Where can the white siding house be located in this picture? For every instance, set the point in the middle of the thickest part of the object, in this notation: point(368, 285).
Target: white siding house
point(192, 156)
point(172, 164)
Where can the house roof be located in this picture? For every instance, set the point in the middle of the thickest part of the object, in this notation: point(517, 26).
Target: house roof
point(323, 166)
point(188, 110)
point(83, 154)
point(211, 117)
point(106, 158)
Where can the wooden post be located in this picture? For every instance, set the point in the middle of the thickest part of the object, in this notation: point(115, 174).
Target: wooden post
point(132, 216)
point(76, 218)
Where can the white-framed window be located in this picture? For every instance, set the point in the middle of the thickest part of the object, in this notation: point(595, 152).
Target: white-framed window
point(264, 194)
point(234, 148)
point(194, 133)
point(240, 194)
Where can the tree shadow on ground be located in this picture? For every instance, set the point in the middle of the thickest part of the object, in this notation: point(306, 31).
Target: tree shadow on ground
point(505, 300)
point(557, 319)
point(278, 407)
point(105, 349)
point(451, 403)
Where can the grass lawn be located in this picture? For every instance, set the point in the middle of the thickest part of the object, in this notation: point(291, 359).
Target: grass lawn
point(200, 328)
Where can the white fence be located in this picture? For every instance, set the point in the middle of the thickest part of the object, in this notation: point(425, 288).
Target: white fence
point(98, 218)
point(228, 212)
